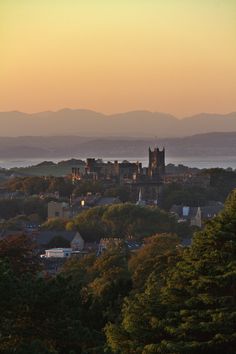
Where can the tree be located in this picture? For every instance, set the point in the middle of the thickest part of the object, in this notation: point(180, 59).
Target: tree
point(201, 290)
point(57, 224)
point(13, 207)
point(194, 311)
point(58, 241)
point(90, 224)
point(43, 316)
point(19, 251)
point(177, 194)
point(123, 220)
point(84, 187)
point(122, 192)
point(105, 281)
point(152, 257)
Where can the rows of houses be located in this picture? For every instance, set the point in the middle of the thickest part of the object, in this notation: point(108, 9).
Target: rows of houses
point(64, 210)
point(196, 216)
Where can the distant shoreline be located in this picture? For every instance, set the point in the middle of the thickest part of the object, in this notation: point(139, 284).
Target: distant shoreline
point(198, 161)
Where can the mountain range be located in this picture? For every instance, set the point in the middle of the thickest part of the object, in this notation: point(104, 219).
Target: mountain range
point(88, 123)
point(46, 148)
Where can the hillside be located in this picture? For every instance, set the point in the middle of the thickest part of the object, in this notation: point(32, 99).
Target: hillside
point(212, 144)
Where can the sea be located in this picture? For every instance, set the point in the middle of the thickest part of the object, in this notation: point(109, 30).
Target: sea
point(199, 162)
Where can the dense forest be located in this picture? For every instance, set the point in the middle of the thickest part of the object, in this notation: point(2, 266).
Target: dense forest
point(162, 298)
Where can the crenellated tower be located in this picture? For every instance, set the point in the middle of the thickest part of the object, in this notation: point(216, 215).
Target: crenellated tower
point(156, 167)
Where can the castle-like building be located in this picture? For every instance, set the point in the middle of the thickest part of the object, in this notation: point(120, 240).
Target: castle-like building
point(148, 179)
point(156, 166)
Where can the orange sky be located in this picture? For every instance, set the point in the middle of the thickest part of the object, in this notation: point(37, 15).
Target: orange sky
point(175, 56)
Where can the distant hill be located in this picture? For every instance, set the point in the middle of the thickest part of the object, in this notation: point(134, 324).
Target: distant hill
point(210, 144)
point(131, 124)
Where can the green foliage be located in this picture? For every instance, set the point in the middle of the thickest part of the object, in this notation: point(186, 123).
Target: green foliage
point(36, 185)
point(10, 208)
point(28, 185)
point(18, 250)
point(177, 194)
point(70, 226)
point(57, 224)
point(90, 224)
point(49, 310)
point(158, 251)
point(194, 309)
point(106, 281)
point(13, 207)
point(61, 185)
point(222, 182)
point(122, 192)
point(159, 299)
point(123, 220)
point(35, 206)
point(111, 276)
point(84, 187)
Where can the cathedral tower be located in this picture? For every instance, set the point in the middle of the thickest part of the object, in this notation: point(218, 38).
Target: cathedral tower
point(156, 167)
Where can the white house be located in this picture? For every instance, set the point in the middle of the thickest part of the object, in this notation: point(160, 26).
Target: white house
point(58, 253)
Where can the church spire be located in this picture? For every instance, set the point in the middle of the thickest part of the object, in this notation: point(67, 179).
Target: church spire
point(140, 201)
point(140, 198)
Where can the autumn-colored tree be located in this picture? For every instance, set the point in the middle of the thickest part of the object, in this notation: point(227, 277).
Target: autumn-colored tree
point(19, 251)
point(157, 251)
point(123, 220)
point(56, 224)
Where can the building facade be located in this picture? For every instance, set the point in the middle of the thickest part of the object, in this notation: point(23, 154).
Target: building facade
point(148, 179)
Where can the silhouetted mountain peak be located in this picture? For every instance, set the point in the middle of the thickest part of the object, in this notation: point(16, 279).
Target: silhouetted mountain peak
point(85, 122)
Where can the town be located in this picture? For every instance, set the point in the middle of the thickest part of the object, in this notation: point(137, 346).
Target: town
point(90, 208)
point(107, 241)
point(118, 177)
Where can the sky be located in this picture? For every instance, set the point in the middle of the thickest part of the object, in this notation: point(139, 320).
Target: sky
point(175, 56)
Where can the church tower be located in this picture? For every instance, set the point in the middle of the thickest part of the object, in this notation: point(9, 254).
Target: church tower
point(156, 167)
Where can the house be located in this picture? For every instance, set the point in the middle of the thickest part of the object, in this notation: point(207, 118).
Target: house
point(58, 253)
point(58, 210)
point(103, 201)
point(211, 210)
point(77, 244)
point(196, 215)
point(193, 215)
point(43, 238)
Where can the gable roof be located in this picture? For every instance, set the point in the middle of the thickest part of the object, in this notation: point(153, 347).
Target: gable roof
point(107, 201)
point(77, 238)
point(211, 211)
point(208, 211)
point(44, 237)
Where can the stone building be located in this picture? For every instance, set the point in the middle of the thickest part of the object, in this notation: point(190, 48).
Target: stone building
point(156, 167)
point(58, 210)
point(132, 174)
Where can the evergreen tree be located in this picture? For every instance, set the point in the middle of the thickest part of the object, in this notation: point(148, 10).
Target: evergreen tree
point(195, 311)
